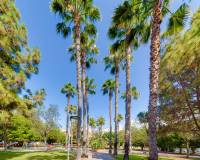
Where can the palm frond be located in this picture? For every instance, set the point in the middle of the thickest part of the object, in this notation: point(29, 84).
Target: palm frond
point(178, 20)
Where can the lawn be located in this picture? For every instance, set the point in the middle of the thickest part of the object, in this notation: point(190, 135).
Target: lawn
point(138, 157)
point(35, 156)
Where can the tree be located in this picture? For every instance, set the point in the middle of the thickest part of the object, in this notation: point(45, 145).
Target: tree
point(92, 124)
point(108, 88)
point(113, 62)
point(69, 92)
point(88, 51)
point(119, 119)
point(100, 123)
point(129, 27)
point(49, 118)
point(22, 130)
point(139, 137)
point(79, 12)
point(135, 96)
point(18, 61)
point(158, 9)
point(90, 90)
point(56, 136)
point(143, 119)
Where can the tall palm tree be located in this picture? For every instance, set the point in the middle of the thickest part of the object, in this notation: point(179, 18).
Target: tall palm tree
point(158, 9)
point(69, 90)
point(78, 12)
point(89, 89)
point(108, 88)
point(88, 48)
point(130, 27)
point(88, 53)
point(113, 62)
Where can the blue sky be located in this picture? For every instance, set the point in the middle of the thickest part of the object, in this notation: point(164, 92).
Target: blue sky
point(56, 69)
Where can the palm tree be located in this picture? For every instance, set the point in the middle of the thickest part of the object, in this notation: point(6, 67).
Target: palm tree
point(100, 122)
point(88, 51)
point(158, 9)
point(88, 48)
point(134, 96)
point(119, 119)
point(113, 62)
point(108, 88)
point(89, 89)
point(69, 91)
point(92, 124)
point(130, 28)
point(78, 12)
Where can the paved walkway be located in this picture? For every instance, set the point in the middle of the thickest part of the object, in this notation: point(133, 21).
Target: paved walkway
point(101, 156)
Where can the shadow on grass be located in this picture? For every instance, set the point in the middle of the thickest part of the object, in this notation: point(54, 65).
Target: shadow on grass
point(9, 155)
point(138, 157)
point(35, 156)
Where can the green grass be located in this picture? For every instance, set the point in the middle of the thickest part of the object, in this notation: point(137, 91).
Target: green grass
point(35, 156)
point(138, 157)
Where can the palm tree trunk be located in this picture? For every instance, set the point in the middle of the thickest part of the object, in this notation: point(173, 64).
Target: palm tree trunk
point(116, 106)
point(84, 154)
point(128, 105)
point(67, 127)
point(78, 68)
point(154, 73)
point(88, 117)
point(110, 117)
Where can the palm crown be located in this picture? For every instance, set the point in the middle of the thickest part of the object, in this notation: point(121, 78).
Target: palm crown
point(89, 85)
point(71, 8)
point(134, 94)
point(69, 90)
point(109, 85)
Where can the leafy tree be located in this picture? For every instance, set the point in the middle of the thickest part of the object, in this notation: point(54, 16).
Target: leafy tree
point(50, 121)
point(18, 61)
point(56, 136)
point(139, 137)
point(108, 88)
point(22, 130)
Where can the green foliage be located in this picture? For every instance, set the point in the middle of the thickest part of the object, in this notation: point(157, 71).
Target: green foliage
point(139, 137)
point(56, 136)
point(100, 121)
point(98, 143)
point(90, 86)
point(22, 130)
point(179, 82)
point(92, 122)
point(69, 90)
point(170, 142)
point(134, 94)
point(108, 86)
